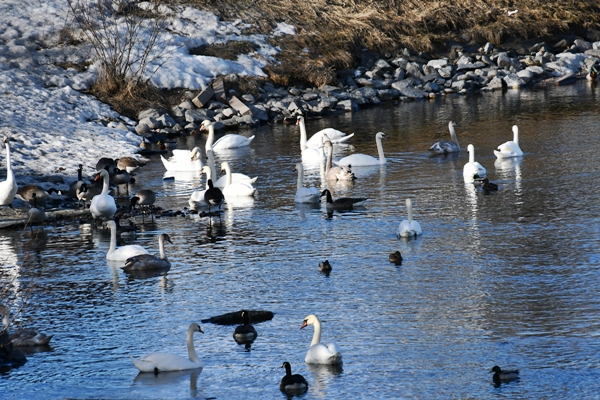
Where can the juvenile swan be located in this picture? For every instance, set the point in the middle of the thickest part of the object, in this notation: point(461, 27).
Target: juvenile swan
point(447, 146)
point(149, 261)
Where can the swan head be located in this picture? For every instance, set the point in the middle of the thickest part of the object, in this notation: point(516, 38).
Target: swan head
point(195, 327)
point(165, 238)
point(6, 139)
point(299, 119)
point(196, 153)
point(309, 320)
point(101, 174)
point(205, 124)
point(380, 135)
point(470, 148)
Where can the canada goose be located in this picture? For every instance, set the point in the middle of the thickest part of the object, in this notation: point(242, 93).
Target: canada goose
point(28, 192)
point(122, 177)
point(213, 197)
point(245, 333)
point(35, 214)
point(149, 261)
point(292, 383)
point(344, 203)
point(144, 199)
point(77, 184)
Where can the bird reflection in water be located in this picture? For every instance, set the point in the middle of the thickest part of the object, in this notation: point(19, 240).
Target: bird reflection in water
point(169, 378)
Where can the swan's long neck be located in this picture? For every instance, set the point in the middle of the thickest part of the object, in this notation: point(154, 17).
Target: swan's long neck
point(190, 346)
point(161, 248)
point(317, 335)
point(302, 136)
point(300, 176)
point(210, 156)
point(409, 210)
point(380, 150)
point(105, 183)
point(210, 138)
point(453, 134)
point(471, 154)
point(516, 134)
point(329, 163)
point(113, 237)
point(208, 173)
point(227, 174)
point(9, 174)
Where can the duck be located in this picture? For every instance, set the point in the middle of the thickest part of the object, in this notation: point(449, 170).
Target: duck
point(150, 261)
point(213, 196)
point(292, 383)
point(197, 197)
point(396, 258)
point(364, 160)
point(8, 187)
point(124, 252)
point(409, 227)
point(245, 333)
point(473, 169)
point(324, 266)
point(165, 362)
point(305, 195)
point(488, 186)
point(336, 173)
point(77, 184)
point(128, 164)
point(510, 148)
point(233, 189)
point(235, 177)
point(503, 376)
point(144, 199)
point(230, 141)
point(184, 161)
point(103, 205)
point(23, 337)
point(319, 353)
point(334, 135)
point(344, 203)
point(309, 155)
point(35, 214)
point(447, 146)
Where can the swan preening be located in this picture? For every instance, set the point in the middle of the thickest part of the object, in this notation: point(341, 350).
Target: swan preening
point(23, 337)
point(124, 252)
point(309, 195)
point(336, 173)
point(103, 205)
point(409, 227)
point(292, 383)
point(473, 169)
point(447, 146)
point(245, 333)
point(364, 160)
point(184, 161)
point(343, 203)
point(510, 148)
point(230, 141)
point(8, 187)
point(319, 353)
point(164, 362)
point(318, 138)
point(149, 261)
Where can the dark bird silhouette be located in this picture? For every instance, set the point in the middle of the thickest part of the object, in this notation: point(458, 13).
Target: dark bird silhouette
point(503, 376)
point(343, 203)
point(292, 383)
point(213, 197)
point(245, 333)
point(396, 258)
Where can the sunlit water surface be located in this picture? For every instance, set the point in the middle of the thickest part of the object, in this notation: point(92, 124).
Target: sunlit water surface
point(509, 278)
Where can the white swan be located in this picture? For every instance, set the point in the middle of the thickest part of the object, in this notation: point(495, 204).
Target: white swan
point(230, 141)
point(103, 205)
point(473, 168)
point(447, 146)
point(320, 353)
point(233, 189)
point(235, 178)
point(150, 261)
point(310, 155)
point(197, 196)
point(124, 252)
point(184, 160)
point(363, 160)
point(305, 194)
point(8, 187)
point(316, 140)
point(336, 173)
point(510, 148)
point(409, 227)
point(163, 362)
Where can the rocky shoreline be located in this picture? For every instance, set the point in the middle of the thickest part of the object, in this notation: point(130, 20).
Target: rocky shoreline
point(381, 79)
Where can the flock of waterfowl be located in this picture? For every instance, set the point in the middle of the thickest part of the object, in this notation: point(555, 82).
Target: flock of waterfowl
point(317, 149)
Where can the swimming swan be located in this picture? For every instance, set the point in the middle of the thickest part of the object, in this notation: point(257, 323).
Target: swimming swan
point(292, 383)
point(8, 187)
point(233, 189)
point(336, 173)
point(310, 155)
point(163, 362)
point(197, 197)
point(235, 177)
point(184, 160)
point(229, 141)
point(364, 160)
point(473, 169)
point(320, 353)
point(149, 261)
point(447, 146)
point(103, 205)
point(124, 252)
point(409, 227)
point(317, 139)
point(310, 195)
point(510, 148)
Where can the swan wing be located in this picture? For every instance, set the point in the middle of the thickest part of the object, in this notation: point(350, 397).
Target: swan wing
point(232, 141)
point(334, 136)
point(508, 149)
point(311, 155)
point(444, 147)
point(164, 362)
point(235, 177)
point(241, 189)
point(323, 354)
point(405, 229)
point(124, 252)
point(358, 160)
point(307, 195)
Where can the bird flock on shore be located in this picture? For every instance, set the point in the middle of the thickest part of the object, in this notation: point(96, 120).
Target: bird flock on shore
point(316, 150)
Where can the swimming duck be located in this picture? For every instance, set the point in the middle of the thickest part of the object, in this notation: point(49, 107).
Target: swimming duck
point(324, 266)
point(343, 203)
point(396, 258)
point(447, 146)
point(503, 376)
point(488, 186)
point(245, 333)
point(292, 383)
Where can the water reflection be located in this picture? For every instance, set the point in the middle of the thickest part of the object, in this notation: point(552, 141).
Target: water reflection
point(322, 375)
point(169, 378)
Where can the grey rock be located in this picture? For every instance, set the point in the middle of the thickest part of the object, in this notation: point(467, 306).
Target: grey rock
point(593, 52)
point(414, 69)
point(142, 128)
point(309, 96)
point(187, 105)
point(388, 94)
point(400, 62)
point(413, 93)
point(295, 92)
point(367, 92)
point(504, 61)
point(526, 75)
point(446, 72)
point(151, 122)
point(361, 82)
point(166, 120)
point(513, 81)
point(487, 49)
point(248, 98)
point(439, 63)
point(470, 66)
point(459, 85)
point(150, 112)
point(431, 87)
point(536, 70)
point(198, 115)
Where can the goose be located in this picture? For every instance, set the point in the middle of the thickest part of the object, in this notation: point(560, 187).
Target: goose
point(292, 383)
point(77, 184)
point(103, 205)
point(320, 353)
point(197, 197)
point(409, 227)
point(396, 258)
point(447, 146)
point(473, 169)
point(310, 155)
point(324, 266)
point(234, 189)
point(122, 177)
point(503, 376)
point(35, 214)
point(213, 197)
point(24, 337)
point(149, 261)
point(164, 362)
point(144, 199)
point(344, 203)
point(364, 160)
point(124, 252)
point(309, 195)
point(128, 164)
point(106, 163)
point(184, 160)
point(8, 187)
point(230, 141)
point(87, 192)
point(235, 177)
point(28, 192)
point(510, 148)
point(315, 140)
point(245, 333)
point(336, 173)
